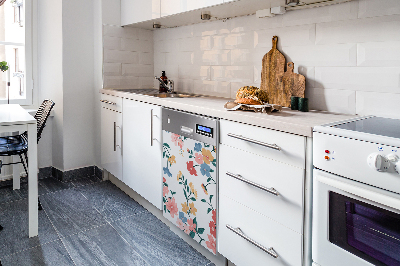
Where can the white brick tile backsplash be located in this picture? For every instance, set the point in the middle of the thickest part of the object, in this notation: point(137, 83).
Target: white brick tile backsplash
point(111, 82)
point(213, 57)
point(146, 58)
point(115, 56)
point(244, 40)
point(159, 58)
point(322, 55)
point(180, 58)
point(137, 70)
point(373, 8)
point(122, 32)
point(194, 72)
point(130, 82)
point(213, 88)
point(380, 104)
point(377, 29)
point(136, 45)
point(112, 43)
point(243, 74)
point(337, 101)
point(339, 12)
point(146, 82)
point(373, 79)
point(251, 23)
point(184, 85)
point(383, 54)
point(112, 69)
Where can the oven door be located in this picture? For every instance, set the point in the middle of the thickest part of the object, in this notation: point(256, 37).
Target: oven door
point(353, 223)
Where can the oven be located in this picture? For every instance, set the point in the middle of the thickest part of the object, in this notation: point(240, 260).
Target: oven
point(356, 194)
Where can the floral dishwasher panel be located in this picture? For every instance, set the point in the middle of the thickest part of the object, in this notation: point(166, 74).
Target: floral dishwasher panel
point(189, 187)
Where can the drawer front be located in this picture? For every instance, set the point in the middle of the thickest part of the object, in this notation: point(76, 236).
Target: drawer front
point(292, 147)
point(274, 177)
point(111, 102)
point(286, 243)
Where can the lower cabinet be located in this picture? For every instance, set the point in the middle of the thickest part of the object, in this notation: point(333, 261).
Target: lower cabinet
point(142, 150)
point(111, 139)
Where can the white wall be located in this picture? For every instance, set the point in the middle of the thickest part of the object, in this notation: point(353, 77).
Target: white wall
point(349, 53)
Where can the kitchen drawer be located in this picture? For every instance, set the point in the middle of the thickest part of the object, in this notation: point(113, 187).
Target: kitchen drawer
point(111, 102)
point(292, 146)
point(288, 181)
point(286, 243)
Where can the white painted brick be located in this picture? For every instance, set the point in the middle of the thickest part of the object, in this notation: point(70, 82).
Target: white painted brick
point(114, 56)
point(181, 58)
point(194, 72)
point(184, 85)
point(130, 83)
point(146, 58)
point(338, 12)
point(337, 101)
point(384, 54)
point(374, 79)
point(137, 70)
point(244, 40)
point(375, 29)
point(251, 23)
point(144, 35)
point(373, 8)
point(112, 43)
point(186, 44)
point(112, 69)
point(213, 57)
point(122, 32)
point(288, 36)
point(322, 55)
point(243, 57)
point(380, 104)
point(244, 74)
point(111, 82)
point(210, 28)
point(159, 58)
point(137, 45)
point(212, 88)
point(146, 82)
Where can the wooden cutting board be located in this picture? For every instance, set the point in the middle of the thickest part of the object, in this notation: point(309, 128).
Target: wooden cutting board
point(273, 68)
point(293, 84)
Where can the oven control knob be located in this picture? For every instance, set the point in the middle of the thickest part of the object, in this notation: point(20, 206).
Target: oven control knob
point(378, 162)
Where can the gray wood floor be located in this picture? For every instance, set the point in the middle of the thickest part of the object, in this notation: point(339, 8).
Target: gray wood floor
point(87, 222)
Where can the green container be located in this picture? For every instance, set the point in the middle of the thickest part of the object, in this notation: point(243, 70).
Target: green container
point(303, 104)
point(294, 103)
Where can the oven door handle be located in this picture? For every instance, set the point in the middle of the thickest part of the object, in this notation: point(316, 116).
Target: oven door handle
point(361, 192)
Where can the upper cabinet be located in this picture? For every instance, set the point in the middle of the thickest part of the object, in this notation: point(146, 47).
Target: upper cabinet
point(172, 7)
point(134, 11)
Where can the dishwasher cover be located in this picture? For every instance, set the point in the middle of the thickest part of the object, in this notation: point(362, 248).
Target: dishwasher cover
point(189, 187)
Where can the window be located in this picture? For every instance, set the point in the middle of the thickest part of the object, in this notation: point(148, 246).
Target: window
point(16, 50)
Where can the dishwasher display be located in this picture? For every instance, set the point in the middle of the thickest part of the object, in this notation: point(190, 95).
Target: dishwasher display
point(190, 175)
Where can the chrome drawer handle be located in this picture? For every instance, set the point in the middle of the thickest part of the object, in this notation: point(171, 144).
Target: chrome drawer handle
point(269, 190)
point(105, 101)
point(272, 146)
point(270, 250)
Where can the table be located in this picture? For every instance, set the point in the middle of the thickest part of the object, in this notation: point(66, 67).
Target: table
point(15, 118)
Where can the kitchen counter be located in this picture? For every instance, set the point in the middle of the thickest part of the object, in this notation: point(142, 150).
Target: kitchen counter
point(294, 122)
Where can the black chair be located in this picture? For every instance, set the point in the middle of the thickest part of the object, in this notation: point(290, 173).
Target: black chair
point(18, 145)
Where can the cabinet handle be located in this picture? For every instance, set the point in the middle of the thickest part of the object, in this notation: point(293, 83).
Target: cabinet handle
point(115, 136)
point(151, 127)
point(105, 101)
point(270, 250)
point(269, 190)
point(272, 146)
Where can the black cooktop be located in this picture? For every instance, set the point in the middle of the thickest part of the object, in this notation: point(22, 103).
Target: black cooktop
point(373, 125)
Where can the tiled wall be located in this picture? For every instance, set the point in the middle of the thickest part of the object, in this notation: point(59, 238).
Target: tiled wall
point(127, 57)
point(349, 53)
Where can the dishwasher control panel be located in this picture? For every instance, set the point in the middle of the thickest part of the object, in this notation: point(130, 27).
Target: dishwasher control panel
point(204, 130)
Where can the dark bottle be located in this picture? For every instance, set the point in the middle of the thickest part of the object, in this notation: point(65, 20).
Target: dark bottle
point(163, 78)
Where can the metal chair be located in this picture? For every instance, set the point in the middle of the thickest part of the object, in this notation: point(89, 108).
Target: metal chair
point(18, 145)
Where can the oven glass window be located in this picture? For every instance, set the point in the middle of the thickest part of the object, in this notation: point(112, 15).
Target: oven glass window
point(367, 231)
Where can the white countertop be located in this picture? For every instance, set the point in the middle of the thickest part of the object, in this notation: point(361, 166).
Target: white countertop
point(13, 114)
point(295, 122)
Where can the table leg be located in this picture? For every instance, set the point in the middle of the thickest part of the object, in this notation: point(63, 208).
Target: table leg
point(16, 172)
point(32, 180)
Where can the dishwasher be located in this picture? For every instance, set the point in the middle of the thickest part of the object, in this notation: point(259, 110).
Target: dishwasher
point(190, 174)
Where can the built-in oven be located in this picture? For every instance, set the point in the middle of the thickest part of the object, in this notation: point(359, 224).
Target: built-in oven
point(356, 193)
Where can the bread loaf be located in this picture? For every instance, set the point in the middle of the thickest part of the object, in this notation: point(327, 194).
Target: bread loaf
point(251, 95)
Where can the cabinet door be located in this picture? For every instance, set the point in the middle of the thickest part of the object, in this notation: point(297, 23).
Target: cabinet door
point(142, 149)
point(111, 137)
point(171, 7)
point(133, 11)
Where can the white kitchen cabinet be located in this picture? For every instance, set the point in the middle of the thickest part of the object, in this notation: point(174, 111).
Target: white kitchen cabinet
point(111, 134)
point(171, 7)
point(142, 147)
point(133, 11)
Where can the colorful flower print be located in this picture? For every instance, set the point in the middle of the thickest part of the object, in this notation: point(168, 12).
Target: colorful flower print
point(165, 191)
point(172, 160)
point(186, 228)
point(180, 143)
point(194, 191)
point(197, 147)
point(172, 207)
point(213, 229)
point(182, 217)
point(185, 207)
point(164, 180)
point(179, 176)
point(204, 189)
point(192, 225)
point(174, 138)
point(167, 172)
point(214, 215)
point(205, 170)
point(179, 223)
point(193, 210)
point(207, 156)
point(211, 243)
point(190, 168)
point(198, 158)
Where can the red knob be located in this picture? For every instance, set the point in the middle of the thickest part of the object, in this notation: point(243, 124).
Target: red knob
point(326, 151)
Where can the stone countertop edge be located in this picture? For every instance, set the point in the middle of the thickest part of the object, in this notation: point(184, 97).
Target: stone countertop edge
point(288, 121)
